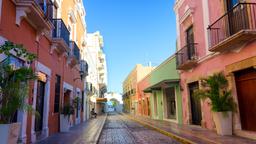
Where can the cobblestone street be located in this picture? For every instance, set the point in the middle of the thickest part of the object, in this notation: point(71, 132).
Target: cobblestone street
point(121, 130)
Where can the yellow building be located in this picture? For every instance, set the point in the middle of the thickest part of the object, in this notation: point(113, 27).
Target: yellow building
point(73, 15)
point(130, 89)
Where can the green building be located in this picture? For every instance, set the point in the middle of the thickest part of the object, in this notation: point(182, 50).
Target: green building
point(165, 99)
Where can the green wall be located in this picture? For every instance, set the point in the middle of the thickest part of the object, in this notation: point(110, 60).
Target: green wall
point(165, 71)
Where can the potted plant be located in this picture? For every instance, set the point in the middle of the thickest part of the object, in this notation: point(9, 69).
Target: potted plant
point(14, 85)
point(67, 110)
point(215, 88)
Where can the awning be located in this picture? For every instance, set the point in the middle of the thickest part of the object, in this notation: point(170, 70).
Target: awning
point(100, 100)
point(159, 85)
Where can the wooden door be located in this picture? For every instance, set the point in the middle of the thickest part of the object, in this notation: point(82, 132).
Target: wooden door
point(195, 104)
point(246, 93)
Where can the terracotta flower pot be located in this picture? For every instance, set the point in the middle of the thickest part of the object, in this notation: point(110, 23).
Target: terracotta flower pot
point(223, 122)
point(9, 133)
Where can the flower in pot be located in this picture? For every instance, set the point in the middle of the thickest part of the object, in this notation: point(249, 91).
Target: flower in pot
point(14, 86)
point(215, 88)
point(66, 112)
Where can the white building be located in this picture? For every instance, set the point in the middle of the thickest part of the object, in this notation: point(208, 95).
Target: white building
point(114, 97)
point(96, 81)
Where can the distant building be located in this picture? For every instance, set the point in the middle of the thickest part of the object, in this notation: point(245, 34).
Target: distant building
point(130, 89)
point(97, 79)
point(115, 102)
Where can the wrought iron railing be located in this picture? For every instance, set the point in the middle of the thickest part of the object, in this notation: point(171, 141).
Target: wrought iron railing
point(185, 54)
point(75, 50)
point(84, 67)
point(240, 17)
point(47, 8)
point(60, 30)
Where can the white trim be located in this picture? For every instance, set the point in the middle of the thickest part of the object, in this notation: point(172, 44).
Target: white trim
point(177, 5)
point(165, 105)
point(45, 132)
point(178, 32)
point(72, 16)
point(206, 21)
point(68, 86)
point(22, 116)
point(188, 12)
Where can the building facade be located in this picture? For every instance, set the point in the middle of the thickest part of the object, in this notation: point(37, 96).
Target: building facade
point(217, 36)
point(97, 78)
point(54, 31)
point(159, 93)
point(130, 89)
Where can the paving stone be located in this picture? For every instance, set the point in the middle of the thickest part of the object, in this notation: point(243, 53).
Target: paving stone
point(120, 130)
point(84, 133)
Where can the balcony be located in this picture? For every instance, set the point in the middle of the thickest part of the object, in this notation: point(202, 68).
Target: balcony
point(234, 28)
point(74, 54)
point(83, 68)
point(60, 36)
point(89, 88)
point(37, 12)
point(186, 58)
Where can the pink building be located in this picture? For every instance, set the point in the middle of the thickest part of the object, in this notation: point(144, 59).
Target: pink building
point(218, 36)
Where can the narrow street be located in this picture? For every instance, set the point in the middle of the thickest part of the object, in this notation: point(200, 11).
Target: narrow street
point(120, 130)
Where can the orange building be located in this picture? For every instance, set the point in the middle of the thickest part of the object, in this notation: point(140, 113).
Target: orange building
point(130, 88)
point(39, 27)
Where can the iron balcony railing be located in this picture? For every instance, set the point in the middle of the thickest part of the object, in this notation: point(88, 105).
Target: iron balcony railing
point(75, 50)
point(47, 8)
point(240, 17)
point(186, 54)
point(60, 30)
point(84, 68)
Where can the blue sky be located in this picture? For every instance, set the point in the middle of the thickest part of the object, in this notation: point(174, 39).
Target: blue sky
point(134, 31)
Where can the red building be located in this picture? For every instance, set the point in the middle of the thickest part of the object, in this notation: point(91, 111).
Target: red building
point(31, 23)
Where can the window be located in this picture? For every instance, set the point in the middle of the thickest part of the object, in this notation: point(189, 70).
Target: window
point(190, 42)
point(14, 62)
point(82, 101)
point(57, 94)
point(231, 4)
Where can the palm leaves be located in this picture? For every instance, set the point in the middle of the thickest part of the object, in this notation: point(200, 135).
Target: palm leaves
point(215, 88)
point(14, 83)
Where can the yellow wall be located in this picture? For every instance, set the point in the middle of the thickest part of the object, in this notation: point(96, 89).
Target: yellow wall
point(66, 6)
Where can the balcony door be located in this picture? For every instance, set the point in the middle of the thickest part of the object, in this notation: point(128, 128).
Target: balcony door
point(190, 43)
point(237, 16)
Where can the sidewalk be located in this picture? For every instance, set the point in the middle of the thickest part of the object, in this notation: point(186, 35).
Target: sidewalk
point(84, 133)
point(189, 134)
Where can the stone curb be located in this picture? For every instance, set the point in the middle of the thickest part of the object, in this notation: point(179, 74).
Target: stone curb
point(171, 135)
point(97, 137)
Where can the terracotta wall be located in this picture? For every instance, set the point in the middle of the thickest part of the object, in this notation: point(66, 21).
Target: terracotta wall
point(25, 34)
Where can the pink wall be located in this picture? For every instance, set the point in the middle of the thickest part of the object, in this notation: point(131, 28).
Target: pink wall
point(196, 20)
point(143, 84)
point(213, 64)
